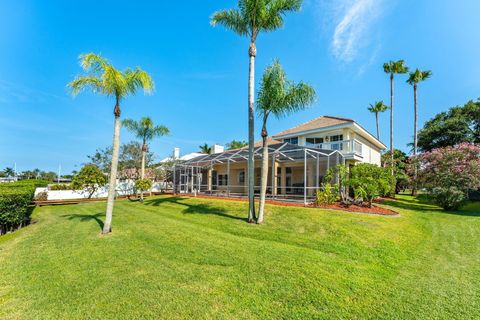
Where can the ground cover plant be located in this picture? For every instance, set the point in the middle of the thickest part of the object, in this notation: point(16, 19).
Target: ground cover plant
point(184, 258)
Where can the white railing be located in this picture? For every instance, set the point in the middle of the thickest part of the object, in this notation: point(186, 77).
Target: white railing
point(344, 146)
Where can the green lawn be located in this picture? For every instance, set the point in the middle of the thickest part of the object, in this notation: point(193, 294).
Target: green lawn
point(175, 257)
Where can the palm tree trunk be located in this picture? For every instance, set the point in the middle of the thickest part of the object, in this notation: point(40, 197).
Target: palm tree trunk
point(391, 124)
point(376, 120)
point(107, 226)
point(263, 188)
point(252, 52)
point(415, 118)
point(142, 172)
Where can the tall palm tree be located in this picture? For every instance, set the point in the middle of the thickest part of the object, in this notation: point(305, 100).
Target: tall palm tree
point(376, 108)
point(145, 130)
point(204, 148)
point(251, 18)
point(279, 97)
point(393, 67)
point(101, 77)
point(413, 79)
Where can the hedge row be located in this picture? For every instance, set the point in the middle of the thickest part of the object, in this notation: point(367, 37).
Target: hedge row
point(15, 199)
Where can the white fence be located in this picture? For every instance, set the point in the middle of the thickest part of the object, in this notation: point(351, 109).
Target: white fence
point(122, 189)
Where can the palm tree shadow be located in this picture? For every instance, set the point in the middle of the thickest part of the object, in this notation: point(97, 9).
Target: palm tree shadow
point(199, 208)
point(86, 218)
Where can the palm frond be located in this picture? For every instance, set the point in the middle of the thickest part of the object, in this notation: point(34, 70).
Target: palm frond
point(418, 76)
point(92, 62)
point(377, 107)
point(231, 19)
point(85, 82)
point(138, 79)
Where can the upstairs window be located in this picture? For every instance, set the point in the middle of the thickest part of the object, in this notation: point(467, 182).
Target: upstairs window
point(338, 137)
point(293, 140)
point(313, 141)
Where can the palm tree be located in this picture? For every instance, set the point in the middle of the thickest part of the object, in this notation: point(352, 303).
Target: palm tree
point(393, 67)
point(236, 144)
point(251, 18)
point(205, 148)
point(101, 77)
point(376, 108)
point(279, 97)
point(145, 130)
point(9, 172)
point(413, 79)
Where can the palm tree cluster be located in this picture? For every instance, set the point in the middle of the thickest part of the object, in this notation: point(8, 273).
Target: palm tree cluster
point(415, 77)
point(103, 78)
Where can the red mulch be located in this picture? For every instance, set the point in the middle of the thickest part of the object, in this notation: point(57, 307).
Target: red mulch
point(336, 206)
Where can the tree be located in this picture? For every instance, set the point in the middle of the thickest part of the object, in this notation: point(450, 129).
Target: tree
point(376, 108)
point(9, 172)
point(145, 130)
point(251, 18)
point(205, 149)
point(413, 79)
point(101, 77)
point(449, 173)
point(370, 181)
point(279, 97)
point(393, 67)
point(90, 178)
point(458, 124)
point(234, 144)
point(400, 168)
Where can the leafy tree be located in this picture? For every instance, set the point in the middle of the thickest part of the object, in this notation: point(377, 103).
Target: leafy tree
point(9, 172)
point(392, 68)
point(145, 130)
point(449, 173)
point(377, 108)
point(400, 168)
point(278, 97)
point(414, 78)
point(90, 178)
point(250, 19)
point(234, 144)
point(457, 125)
point(101, 77)
point(143, 185)
point(205, 149)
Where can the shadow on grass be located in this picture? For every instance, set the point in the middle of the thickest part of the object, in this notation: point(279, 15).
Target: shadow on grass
point(86, 217)
point(420, 203)
point(198, 208)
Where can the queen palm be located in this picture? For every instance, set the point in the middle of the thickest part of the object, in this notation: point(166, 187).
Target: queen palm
point(101, 77)
point(413, 79)
point(279, 97)
point(145, 130)
point(392, 68)
point(377, 108)
point(204, 148)
point(251, 18)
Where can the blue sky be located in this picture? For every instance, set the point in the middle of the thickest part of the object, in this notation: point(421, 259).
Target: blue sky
point(201, 72)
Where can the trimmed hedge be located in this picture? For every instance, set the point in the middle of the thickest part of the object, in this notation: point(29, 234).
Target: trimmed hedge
point(15, 199)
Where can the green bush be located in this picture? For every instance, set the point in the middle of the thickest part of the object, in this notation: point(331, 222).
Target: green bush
point(61, 187)
point(15, 199)
point(370, 181)
point(450, 198)
point(328, 194)
point(90, 178)
point(143, 184)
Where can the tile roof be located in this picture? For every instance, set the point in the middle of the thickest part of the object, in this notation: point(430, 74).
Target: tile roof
point(320, 122)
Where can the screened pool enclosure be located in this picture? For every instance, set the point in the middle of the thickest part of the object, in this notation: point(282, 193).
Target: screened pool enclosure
point(294, 174)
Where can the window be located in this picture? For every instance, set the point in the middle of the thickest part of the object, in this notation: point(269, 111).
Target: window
point(338, 137)
point(223, 179)
point(241, 177)
point(314, 141)
point(293, 140)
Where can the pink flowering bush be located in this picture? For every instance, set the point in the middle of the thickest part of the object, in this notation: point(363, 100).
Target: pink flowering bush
point(449, 173)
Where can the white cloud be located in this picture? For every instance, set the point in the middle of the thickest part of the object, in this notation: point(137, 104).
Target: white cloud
point(350, 22)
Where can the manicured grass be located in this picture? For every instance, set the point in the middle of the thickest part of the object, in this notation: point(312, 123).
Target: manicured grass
point(175, 257)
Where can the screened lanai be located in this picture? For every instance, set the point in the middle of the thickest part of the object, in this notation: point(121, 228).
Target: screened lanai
point(294, 174)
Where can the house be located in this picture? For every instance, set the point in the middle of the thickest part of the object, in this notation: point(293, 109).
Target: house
point(299, 158)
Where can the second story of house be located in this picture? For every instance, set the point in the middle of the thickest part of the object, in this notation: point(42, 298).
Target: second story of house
point(335, 133)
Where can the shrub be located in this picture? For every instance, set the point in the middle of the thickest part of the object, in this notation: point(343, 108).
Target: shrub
point(370, 181)
point(60, 187)
point(15, 199)
point(448, 198)
point(327, 195)
point(143, 184)
point(90, 178)
point(450, 171)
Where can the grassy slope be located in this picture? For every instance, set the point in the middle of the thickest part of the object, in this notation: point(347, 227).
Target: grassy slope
point(194, 258)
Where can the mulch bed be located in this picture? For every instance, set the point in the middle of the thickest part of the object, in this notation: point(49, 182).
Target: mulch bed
point(336, 206)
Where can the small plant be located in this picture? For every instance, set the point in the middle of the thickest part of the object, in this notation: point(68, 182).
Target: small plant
point(370, 181)
point(42, 196)
point(90, 178)
point(327, 195)
point(143, 184)
point(60, 187)
point(450, 198)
